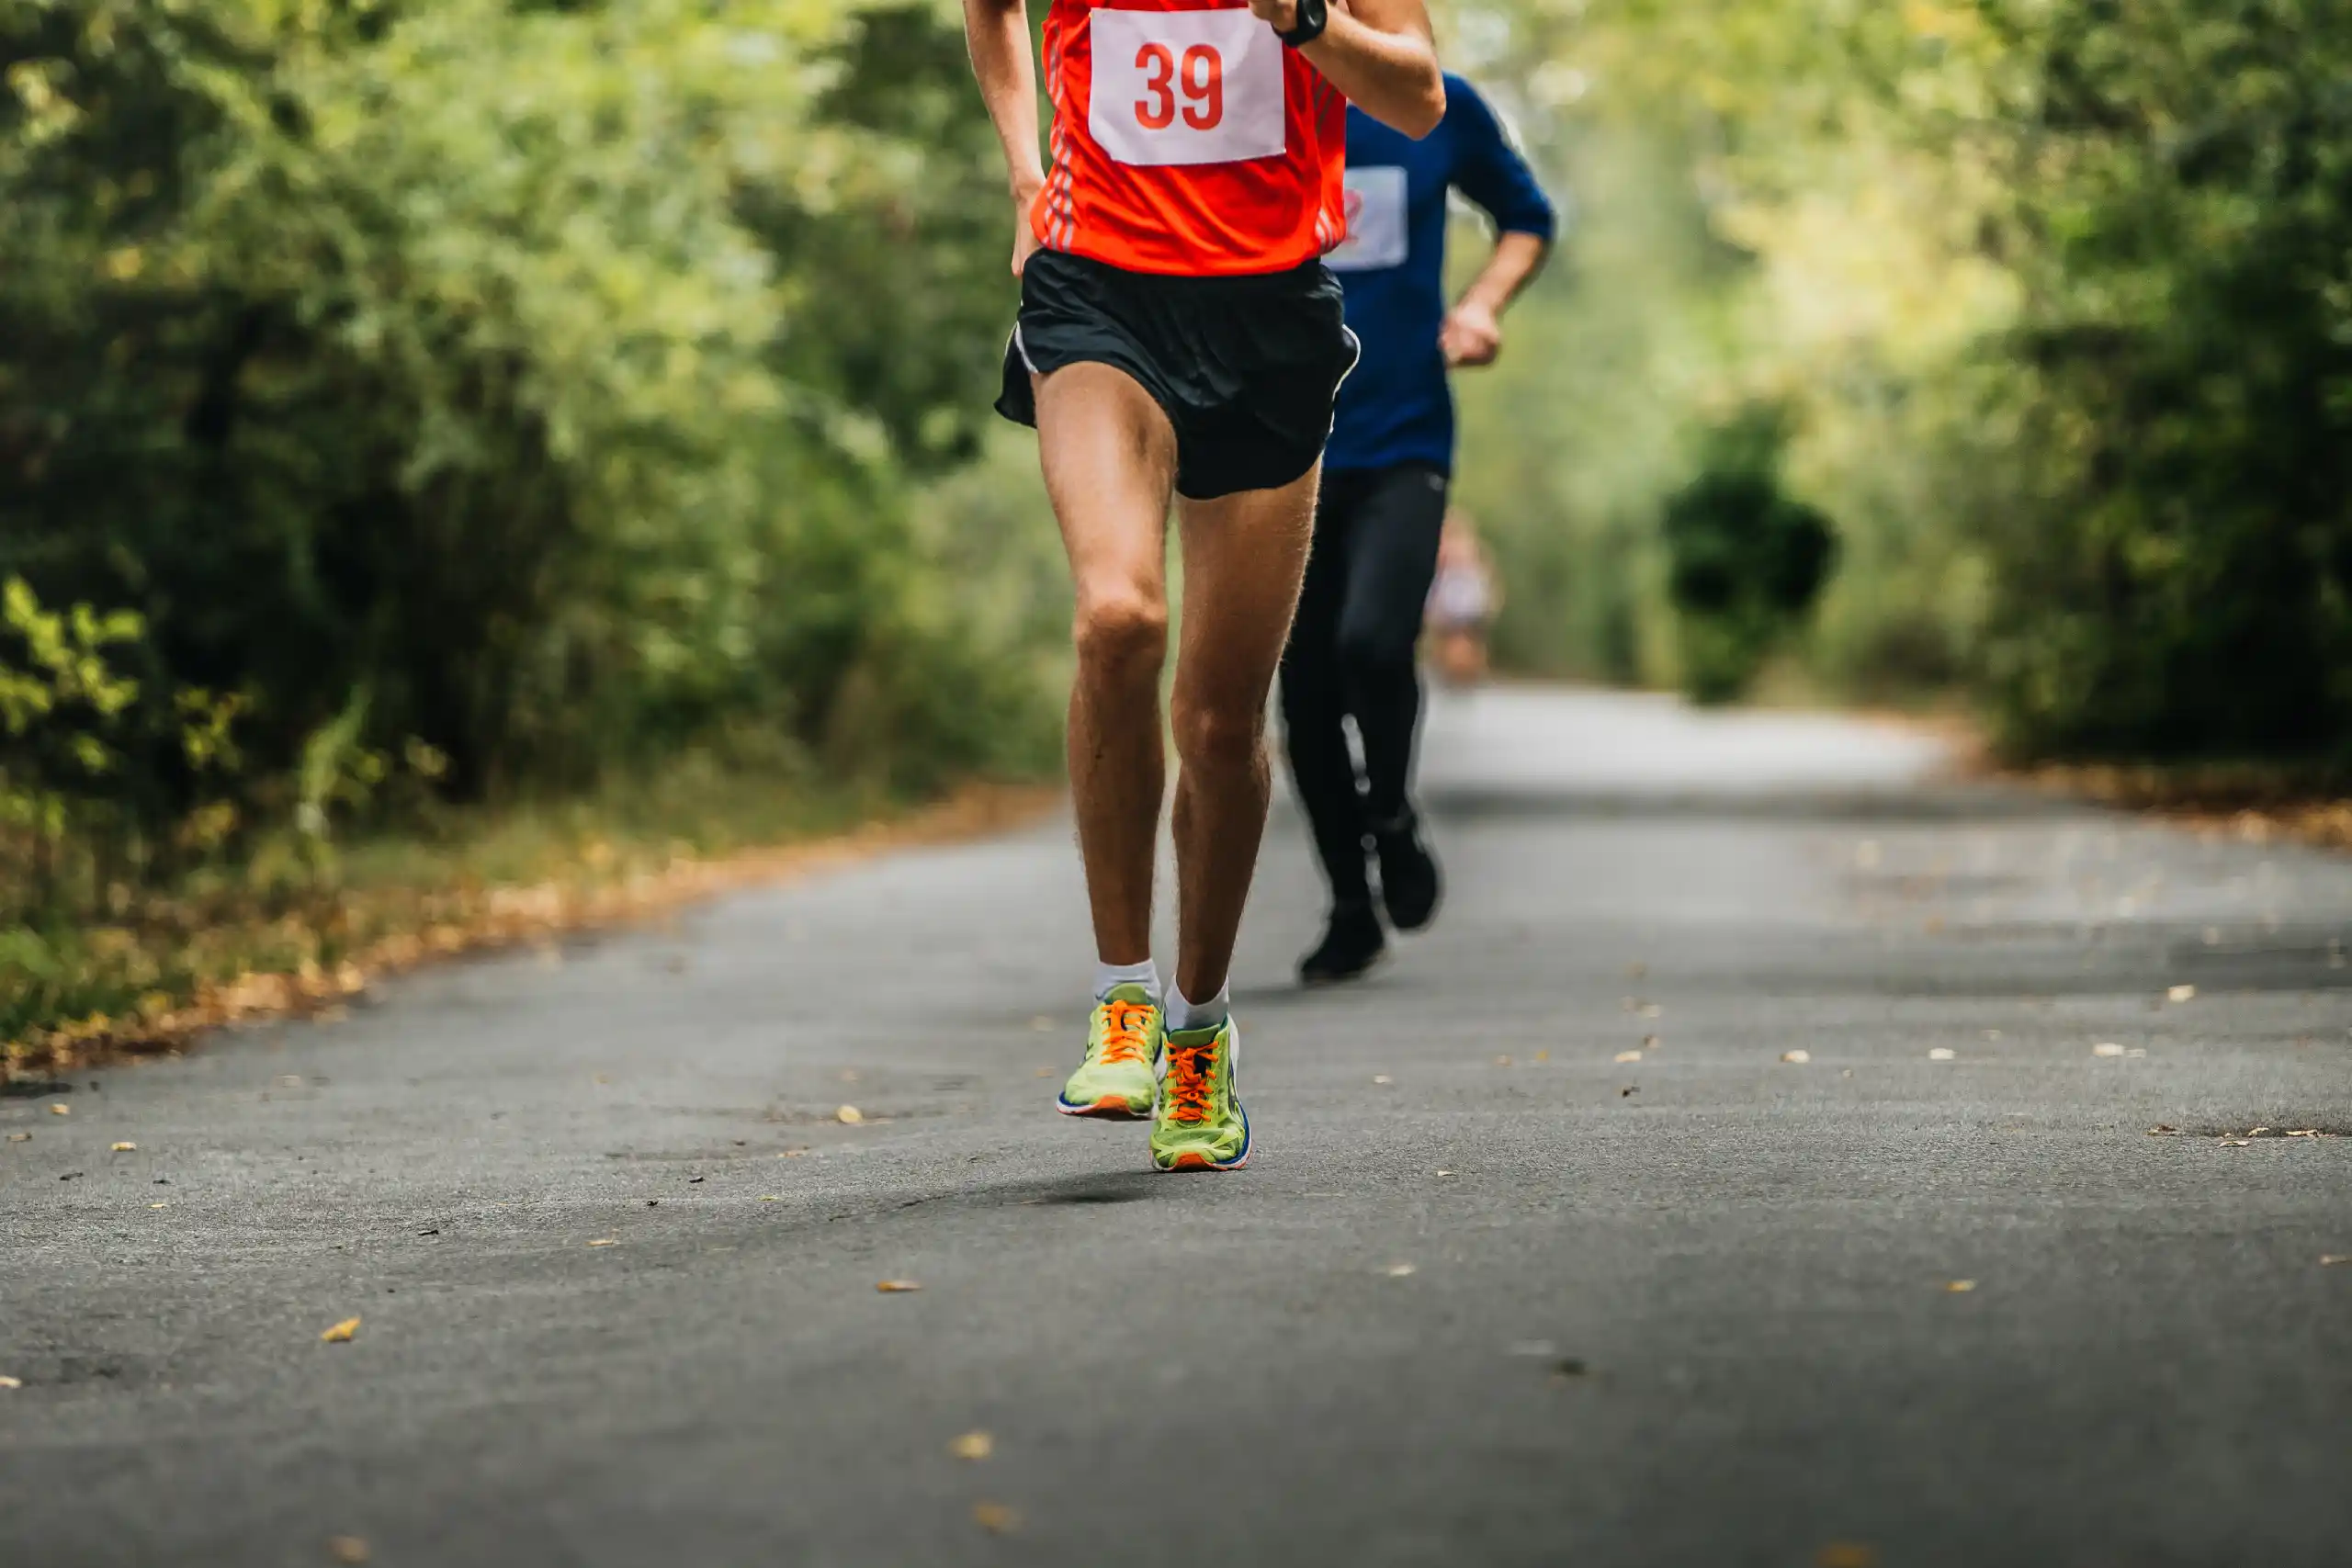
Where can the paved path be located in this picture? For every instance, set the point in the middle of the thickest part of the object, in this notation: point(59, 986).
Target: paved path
point(1698, 1308)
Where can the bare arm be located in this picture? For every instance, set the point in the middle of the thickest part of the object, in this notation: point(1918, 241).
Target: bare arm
point(1379, 53)
point(997, 33)
point(1473, 333)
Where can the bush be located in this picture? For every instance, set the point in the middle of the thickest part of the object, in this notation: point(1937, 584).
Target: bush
point(462, 388)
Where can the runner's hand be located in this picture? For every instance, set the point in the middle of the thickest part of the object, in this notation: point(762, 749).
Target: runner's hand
point(1471, 336)
point(1279, 14)
point(1025, 233)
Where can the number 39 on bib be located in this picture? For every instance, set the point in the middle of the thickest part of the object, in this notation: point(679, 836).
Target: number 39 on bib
point(1174, 87)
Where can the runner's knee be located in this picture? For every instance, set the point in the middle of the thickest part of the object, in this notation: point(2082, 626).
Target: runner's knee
point(1122, 632)
point(1219, 737)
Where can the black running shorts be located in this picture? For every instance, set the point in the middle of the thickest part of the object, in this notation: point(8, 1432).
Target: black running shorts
point(1246, 368)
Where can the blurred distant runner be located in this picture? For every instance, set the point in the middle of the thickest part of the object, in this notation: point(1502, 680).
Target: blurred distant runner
point(1180, 335)
point(1389, 462)
point(1463, 601)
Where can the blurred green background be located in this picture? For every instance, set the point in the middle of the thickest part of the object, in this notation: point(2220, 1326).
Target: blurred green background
point(414, 414)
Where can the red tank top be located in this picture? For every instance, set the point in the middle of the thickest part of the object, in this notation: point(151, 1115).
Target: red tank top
point(1188, 139)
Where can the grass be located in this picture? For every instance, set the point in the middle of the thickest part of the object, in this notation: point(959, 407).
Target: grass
point(288, 926)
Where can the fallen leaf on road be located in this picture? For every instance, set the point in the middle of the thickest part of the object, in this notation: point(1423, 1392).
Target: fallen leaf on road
point(1960, 1287)
point(1399, 1270)
point(1502, 1061)
point(606, 1241)
point(973, 1446)
point(61, 1110)
point(2163, 1130)
point(1651, 1042)
point(11, 1382)
point(696, 1180)
point(342, 1333)
point(849, 1115)
point(791, 1154)
point(1543, 1055)
point(347, 1548)
point(20, 1137)
point(1445, 1173)
point(123, 1148)
point(770, 1200)
point(1629, 1056)
point(159, 1206)
point(2304, 1133)
point(1652, 1010)
point(1847, 1554)
point(1798, 1058)
point(2181, 994)
point(895, 1287)
point(1943, 1054)
point(2108, 1048)
point(1628, 1093)
point(2334, 1259)
point(1382, 1079)
point(2256, 1132)
point(996, 1518)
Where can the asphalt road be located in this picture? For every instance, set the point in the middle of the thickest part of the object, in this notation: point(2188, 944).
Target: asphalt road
point(1488, 1293)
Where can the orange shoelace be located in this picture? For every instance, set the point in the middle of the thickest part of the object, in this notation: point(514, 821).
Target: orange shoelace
point(1123, 1031)
point(1192, 1077)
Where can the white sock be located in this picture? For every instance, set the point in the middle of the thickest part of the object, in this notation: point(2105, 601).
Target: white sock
point(1210, 1014)
point(1146, 974)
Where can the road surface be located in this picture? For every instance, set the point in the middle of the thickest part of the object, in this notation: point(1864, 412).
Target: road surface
point(1494, 1291)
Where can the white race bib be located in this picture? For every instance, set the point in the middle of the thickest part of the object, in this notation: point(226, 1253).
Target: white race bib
point(1377, 229)
point(1186, 87)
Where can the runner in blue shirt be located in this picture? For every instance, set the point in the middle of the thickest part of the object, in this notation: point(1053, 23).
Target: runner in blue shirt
point(1385, 474)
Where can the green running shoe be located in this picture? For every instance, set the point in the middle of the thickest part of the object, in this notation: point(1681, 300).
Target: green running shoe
point(1116, 1079)
point(1201, 1125)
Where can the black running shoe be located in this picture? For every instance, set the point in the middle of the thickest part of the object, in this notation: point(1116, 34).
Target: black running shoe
point(1409, 884)
point(1352, 944)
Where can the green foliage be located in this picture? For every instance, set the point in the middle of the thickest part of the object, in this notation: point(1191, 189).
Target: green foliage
point(1747, 561)
point(2174, 576)
point(2061, 295)
point(496, 396)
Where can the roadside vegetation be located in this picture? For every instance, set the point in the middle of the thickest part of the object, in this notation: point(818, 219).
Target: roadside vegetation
point(440, 437)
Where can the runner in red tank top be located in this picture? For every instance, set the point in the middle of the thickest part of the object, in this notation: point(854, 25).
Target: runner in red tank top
point(1179, 336)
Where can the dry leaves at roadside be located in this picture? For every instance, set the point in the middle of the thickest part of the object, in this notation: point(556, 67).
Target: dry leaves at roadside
point(973, 1446)
point(342, 1333)
point(347, 1548)
point(996, 1517)
point(898, 1286)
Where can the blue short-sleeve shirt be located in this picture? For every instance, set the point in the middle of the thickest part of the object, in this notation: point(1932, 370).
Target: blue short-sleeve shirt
point(1397, 408)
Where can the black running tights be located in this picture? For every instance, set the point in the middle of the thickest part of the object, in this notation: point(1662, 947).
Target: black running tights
point(1350, 656)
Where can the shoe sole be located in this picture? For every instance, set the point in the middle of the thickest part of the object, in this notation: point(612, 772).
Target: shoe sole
point(1317, 982)
point(1191, 1161)
point(1425, 923)
point(1110, 1108)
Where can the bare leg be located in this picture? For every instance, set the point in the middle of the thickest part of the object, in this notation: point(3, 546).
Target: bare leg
point(1243, 557)
point(1110, 462)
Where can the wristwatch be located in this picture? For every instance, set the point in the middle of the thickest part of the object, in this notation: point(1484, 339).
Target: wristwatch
point(1314, 16)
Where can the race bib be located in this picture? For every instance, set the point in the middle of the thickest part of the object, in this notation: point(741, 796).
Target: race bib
point(1186, 87)
point(1376, 231)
